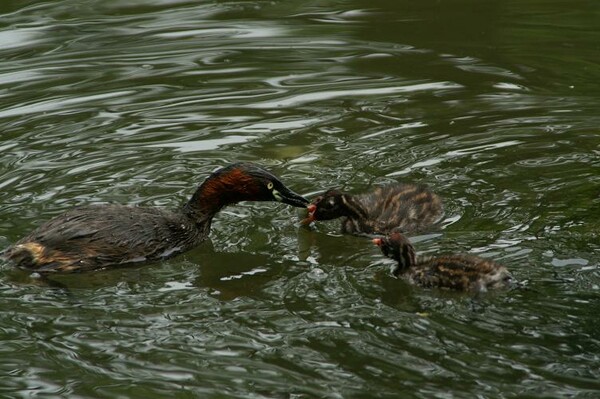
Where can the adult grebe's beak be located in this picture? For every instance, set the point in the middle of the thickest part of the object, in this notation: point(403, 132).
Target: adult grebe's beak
point(287, 196)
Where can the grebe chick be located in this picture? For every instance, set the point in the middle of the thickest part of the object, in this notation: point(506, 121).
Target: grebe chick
point(401, 206)
point(457, 272)
point(99, 236)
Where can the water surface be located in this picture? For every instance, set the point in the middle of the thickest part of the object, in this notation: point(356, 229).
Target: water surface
point(495, 106)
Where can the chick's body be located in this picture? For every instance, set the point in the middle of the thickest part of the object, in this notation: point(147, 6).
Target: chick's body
point(401, 206)
point(457, 272)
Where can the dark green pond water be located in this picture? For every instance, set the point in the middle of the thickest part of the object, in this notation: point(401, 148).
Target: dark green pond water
point(495, 105)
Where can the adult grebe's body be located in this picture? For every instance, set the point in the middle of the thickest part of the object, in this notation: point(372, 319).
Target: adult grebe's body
point(99, 236)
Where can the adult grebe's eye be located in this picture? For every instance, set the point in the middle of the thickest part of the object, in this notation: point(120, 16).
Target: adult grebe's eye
point(270, 185)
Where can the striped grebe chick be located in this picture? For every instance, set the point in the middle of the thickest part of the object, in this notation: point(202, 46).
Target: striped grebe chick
point(457, 272)
point(100, 236)
point(401, 206)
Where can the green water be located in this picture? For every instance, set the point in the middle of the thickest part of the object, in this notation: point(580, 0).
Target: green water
point(494, 105)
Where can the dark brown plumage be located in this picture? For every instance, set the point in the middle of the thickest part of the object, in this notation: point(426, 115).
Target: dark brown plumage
point(403, 207)
point(100, 236)
point(457, 272)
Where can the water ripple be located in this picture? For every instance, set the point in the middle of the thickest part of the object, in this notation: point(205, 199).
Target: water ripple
point(137, 102)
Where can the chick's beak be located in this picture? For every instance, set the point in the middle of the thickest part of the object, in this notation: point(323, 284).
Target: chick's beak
point(311, 215)
point(377, 241)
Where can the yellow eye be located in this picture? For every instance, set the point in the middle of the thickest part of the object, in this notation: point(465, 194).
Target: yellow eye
point(270, 185)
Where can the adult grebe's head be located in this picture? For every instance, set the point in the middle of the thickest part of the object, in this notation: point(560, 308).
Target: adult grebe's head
point(243, 182)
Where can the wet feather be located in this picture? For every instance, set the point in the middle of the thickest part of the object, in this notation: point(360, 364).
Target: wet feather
point(456, 272)
point(402, 206)
point(99, 236)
